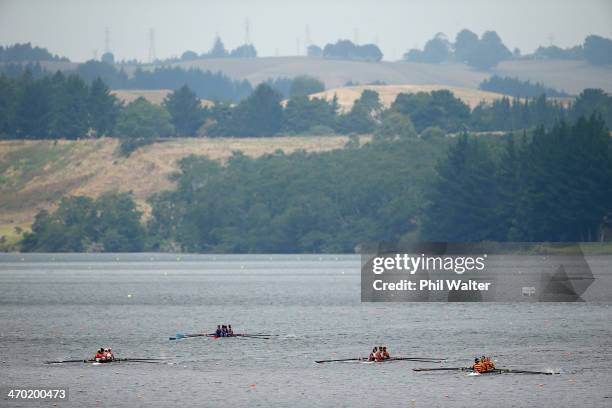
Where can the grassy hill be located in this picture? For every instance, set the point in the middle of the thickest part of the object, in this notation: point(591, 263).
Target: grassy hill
point(36, 174)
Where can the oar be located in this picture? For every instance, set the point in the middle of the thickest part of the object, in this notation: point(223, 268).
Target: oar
point(340, 359)
point(180, 336)
point(442, 369)
point(419, 359)
point(510, 370)
point(66, 361)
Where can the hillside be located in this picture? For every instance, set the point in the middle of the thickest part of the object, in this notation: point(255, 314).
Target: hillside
point(155, 96)
point(567, 75)
point(36, 174)
point(571, 76)
point(347, 95)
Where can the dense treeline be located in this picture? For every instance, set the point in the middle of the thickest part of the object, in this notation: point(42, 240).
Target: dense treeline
point(489, 50)
point(60, 106)
point(110, 223)
point(206, 84)
point(516, 87)
point(553, 186)
point(63, 106)
point(345, 49)
point(546, 185)
point(327, 202)
point(26, 53)
point(596, 50)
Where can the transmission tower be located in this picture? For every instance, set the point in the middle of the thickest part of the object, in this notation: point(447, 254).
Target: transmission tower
point(106, 39)
point(308, 41)
point(151, 45)
point(247, 31)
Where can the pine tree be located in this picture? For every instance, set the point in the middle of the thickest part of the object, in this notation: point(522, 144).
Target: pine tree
point(186, 111)
point(103, 108)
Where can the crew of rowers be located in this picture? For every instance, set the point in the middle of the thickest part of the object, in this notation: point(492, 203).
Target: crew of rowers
point(104, 355)
point(483, 364)
point(379, 354)
point(224, 331)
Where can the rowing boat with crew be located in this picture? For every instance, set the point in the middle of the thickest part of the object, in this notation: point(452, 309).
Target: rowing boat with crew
point(223, 331)
point(484, 366)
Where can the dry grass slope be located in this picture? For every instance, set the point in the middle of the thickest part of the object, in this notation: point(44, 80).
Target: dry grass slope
point(388, 93)
point(36, 174)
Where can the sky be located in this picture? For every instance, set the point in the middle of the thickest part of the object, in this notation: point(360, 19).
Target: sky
point(76, 28)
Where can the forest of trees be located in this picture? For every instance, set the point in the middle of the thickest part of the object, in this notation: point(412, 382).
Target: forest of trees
point(110, 223)
point(66, 106)
point(487, 51)
point(56, 107)
point(555, 185)
point(345, 49)
point(26, 53)
point(545, 185)
point(517, 88)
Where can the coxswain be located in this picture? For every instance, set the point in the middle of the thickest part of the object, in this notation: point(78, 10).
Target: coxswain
point(218, 331)
point(230, 331)
point(385, 354)
point(372, 355)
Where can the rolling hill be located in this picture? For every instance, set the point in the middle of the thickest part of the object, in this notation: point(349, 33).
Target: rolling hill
point(571, 76)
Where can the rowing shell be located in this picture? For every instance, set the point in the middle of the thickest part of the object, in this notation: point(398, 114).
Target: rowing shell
point(117, 360)
point(365, 360)
point(495, 371)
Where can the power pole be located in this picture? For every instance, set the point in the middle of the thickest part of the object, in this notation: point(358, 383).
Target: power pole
point(151, 45)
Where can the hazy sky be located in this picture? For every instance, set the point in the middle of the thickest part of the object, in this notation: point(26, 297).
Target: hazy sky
point(76, 28)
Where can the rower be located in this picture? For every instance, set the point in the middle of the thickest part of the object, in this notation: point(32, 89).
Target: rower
point(479, 366)
point(218, 331)
point(378, 356)
point(230, 332)
point(489, 364)
point(385, 354)
point(100, 357)
point(224, 331)
point(372, 355)
point(109, 355)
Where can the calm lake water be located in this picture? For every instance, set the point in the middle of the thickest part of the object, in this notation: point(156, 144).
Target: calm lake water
point(65, 306)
